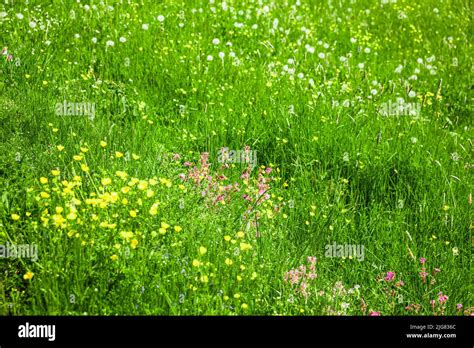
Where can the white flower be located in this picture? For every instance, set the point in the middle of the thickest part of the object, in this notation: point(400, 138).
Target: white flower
point(367, 50)
point(399, 69)
point(232, 54)
point(301, 75)
point(216, 41)
point(413, 77)
point(353, 40)
point(145, 26)
point(360, 66)
point(321, 55)
point(77, 36)
point(343, 59)
point(311, 82)
point(32, 24)
point(373, 92)
point(419, 61)
point(416, 71)
point(414, 140)
point(160, 18)
point(412, 94)
point(310, 49)
point(94, 40)
point(181, 25)
point(109, 43)
point(210, 58)
point(221, 55)
point(255, 26)
point(326, 46)
point(87, 7)
point(291, 61)
point(122, 39)
point(19, 15)
point(47, 42)
point(3, 14)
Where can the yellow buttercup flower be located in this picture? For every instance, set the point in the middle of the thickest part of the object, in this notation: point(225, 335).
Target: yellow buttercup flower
point(229, 262)
point(15, 217)
point(134, 243)
point(133, 213)
point(164, 225)
point(240, 234)
point(84, 149)
point(106, 181)
point(202, 250)
point(154, 209)
point(103, 143)
point(84, 168)
point(55, 172)
point(245, 246)
point(114, 257)
point(28, 275)
point(43, 180)
point(196, 263)
point(60, 147)
point(121, 174)
point(77, 157)
point(244, 306)
point(71, 216)
point(44, 195)
point(178, 229)
point(118, 154)
point(135, 157)
point(227, 238)
point(142, 185)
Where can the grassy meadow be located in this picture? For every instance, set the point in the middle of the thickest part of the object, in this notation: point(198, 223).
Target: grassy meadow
point(196, 157)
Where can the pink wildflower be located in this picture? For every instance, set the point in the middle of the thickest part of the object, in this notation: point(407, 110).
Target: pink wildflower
point(390, 276)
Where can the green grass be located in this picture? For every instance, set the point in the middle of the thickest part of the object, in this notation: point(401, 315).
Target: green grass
point(342, 172)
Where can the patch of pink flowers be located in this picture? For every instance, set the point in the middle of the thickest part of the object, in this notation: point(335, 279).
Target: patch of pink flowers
point(299, 277)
